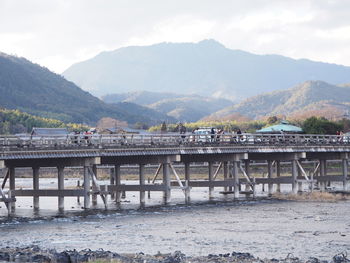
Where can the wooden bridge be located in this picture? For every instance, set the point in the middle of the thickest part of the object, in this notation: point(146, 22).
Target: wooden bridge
point(229, 159)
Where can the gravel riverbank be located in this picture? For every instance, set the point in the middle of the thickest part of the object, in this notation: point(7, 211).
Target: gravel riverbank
point(36, 254)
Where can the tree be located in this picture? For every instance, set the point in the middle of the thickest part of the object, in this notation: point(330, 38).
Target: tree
point(163, 128)
point(314, 125)
point(272, 120)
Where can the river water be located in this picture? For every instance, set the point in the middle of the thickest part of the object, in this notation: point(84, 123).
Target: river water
point(264, 227)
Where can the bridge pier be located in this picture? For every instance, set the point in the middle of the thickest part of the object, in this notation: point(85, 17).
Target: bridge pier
point(345, 173)
point(187, 179)
point(270, 175)
point(112, 181)
point(12, 179)
point(210, 179)
point(231, 175)
point(117, 175)
point(142, 182)
point(247, 171)
point(94, 189)
point(60, 175)
point(235, 176)
point(300, 177)
point(166, 183)
point(323, 174)
point(86, 187)
point(225, 168)
point(278, 175)
point(35, 187)
point(294, 176)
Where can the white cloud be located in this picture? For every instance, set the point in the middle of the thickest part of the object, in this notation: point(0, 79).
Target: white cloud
point(57, 33)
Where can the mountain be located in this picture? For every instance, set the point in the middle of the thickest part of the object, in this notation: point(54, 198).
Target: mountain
point(181, 107)
point(311, 98)
point(36, 90)
point(140, 97)
point(206, 68)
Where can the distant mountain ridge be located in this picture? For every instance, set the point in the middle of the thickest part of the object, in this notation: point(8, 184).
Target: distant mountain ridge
point(311, 98)
point(206, 68)
point(36, 90)
point(185, 108)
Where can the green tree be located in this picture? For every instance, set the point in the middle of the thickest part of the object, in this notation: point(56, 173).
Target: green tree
point(163, 128)
point(272, 120)
point(314, 125)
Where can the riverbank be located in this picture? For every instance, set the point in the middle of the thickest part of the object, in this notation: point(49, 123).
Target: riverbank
point(36, 254)
point(266, 228)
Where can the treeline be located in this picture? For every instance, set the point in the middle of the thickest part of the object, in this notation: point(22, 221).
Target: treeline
point(15, 121)
point(322, 125)
point(312, 125)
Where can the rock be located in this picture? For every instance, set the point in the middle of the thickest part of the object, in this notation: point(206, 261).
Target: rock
point(41, 258)
point(4, 256)
point(240, 255)
point(340, 258)
point(62, 257)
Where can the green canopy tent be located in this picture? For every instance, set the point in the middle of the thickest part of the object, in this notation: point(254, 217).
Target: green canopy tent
point(284, 127)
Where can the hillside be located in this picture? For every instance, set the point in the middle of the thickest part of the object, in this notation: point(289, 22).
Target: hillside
point(181, 107)
point(139, 97)
point(311, 98)
point(35, 90)
point(206, 68)
point(15, 121)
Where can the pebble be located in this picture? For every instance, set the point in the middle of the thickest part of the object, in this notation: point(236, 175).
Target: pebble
point(36, 254)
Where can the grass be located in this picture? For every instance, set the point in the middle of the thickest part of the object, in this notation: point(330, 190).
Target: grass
point(313, 196)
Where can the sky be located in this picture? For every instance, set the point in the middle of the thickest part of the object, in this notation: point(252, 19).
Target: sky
point(59, 33)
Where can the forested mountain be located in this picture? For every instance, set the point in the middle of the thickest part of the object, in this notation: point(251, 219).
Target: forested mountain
point(206, 68)
point(36, 90)
point(182, 107)
point(311, 98)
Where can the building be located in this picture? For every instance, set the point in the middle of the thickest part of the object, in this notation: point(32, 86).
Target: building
point(283, 127)
point(49, 132)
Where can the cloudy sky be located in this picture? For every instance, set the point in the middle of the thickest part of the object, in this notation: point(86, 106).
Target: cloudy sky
point(58, 33)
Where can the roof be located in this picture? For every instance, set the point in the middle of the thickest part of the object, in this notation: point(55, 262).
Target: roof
point(124, 129)
point(49, 131)
point(284, 126)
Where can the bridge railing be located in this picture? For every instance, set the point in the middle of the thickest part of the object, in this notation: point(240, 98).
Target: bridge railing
point(170, 139)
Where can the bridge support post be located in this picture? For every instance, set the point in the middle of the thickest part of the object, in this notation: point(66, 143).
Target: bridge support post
point(235, 178)
point(187, 178)
point(270, 175)
point(142, 182)
point(247, 171)
point(86, 187)
point(278, 174)
point(94, 196)
point(210, 175)
point(12, 178)
point(60, 176)
point(35, 187)
point(300, 184)
point(323, 172)
point(294, 176)
point(117, 176)
point(112, 181)
point(230, 175)
point(345, 173)
point(166, 182)
point(225, 175)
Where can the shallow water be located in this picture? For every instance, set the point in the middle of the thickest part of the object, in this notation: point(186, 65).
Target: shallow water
point(265, 228)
